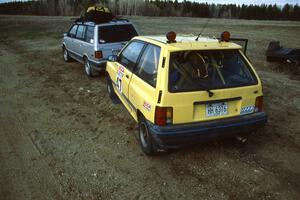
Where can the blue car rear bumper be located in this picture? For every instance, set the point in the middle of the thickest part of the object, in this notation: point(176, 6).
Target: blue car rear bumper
point(98, 65)
point(175, 136)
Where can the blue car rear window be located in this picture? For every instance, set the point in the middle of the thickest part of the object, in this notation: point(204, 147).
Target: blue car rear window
point(116, 33)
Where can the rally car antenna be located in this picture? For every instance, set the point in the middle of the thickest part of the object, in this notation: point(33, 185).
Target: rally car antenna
point(203, 29)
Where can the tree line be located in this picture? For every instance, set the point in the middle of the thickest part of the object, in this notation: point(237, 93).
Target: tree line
point(155, 8)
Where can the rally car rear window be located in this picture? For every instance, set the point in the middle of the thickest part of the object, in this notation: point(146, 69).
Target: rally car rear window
point(206, 70)
point(116, 33)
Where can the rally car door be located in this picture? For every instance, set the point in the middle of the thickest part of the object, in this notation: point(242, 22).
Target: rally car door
point(127, 59)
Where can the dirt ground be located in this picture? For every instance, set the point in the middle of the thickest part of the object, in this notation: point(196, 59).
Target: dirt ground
point(62, 138)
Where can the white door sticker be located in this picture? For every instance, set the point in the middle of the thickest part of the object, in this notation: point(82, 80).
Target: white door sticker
point(120, 74)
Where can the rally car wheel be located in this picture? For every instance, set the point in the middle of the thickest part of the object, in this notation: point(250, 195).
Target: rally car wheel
point(145, 138)
point(66, 55)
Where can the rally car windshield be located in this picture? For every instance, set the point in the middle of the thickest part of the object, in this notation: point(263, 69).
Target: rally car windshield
point(206, 70)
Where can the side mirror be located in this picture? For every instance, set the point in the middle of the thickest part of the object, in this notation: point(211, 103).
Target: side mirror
point(65, 34)
point(113, 58)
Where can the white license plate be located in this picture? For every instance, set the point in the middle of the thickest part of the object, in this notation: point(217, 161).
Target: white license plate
point(216, 109)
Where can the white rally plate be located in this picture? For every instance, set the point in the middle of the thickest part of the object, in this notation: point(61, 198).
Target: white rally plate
point(216, 109)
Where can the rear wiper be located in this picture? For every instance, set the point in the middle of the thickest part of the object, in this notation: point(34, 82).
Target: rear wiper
point(189, 78)
point(210, 93)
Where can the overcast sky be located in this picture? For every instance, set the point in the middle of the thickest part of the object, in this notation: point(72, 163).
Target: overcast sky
point(278, 2)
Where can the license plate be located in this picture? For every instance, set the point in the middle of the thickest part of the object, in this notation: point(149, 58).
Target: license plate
point(216, 109)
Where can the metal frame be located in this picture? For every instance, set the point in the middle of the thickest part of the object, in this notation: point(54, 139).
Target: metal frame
point(241, 40)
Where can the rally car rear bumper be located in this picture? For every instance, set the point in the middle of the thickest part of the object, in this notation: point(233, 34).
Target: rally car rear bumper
point(175, 136)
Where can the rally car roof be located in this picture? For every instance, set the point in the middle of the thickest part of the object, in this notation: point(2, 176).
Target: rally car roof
point(189, 42)
point(181, 38)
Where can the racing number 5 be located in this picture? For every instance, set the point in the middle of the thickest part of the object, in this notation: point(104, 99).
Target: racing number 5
point(119, 84)
point(120, 74)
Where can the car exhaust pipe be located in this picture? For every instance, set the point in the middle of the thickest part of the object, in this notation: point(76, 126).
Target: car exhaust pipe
point(241, 139)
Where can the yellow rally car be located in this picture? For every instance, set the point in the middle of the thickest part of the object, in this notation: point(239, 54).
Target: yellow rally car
point(181, 90)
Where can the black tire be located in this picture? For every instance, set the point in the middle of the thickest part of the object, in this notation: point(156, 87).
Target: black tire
point(88, 68)
point(110, 91)
point(66, 56)
point(145, 138)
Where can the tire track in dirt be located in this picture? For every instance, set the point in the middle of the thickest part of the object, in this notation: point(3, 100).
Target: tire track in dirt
point(25, 173)
point(26, 169)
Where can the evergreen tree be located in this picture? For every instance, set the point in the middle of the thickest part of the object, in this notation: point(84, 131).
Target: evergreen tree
point(155, 8)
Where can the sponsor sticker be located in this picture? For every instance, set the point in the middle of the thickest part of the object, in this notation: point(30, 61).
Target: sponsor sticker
point(147, 106)
point(121, 69)
point(247, 110)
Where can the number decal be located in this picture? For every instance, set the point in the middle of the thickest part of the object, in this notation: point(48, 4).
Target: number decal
point(120, 74)
point(119, 84)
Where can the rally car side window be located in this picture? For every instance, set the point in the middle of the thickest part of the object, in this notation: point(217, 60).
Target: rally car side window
point(130, 54)
point(148, 64)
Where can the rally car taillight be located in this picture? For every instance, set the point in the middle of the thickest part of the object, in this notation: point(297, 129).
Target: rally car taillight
point(163, 115)
point(259, 104)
